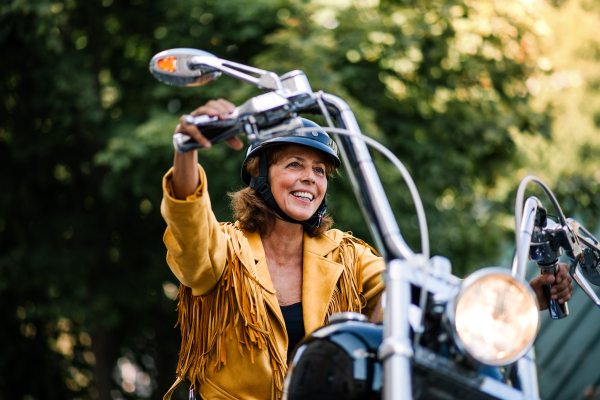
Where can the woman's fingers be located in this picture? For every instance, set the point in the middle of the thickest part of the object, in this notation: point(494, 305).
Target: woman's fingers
point(206, 110)
point(563, 279)
point(562, 290)
point(235, 143)
point(215, 108)
point(192, 131)
point(229, 106)
point(562, 286)
point(563, 295)
point(559, 287)
point(221, 108)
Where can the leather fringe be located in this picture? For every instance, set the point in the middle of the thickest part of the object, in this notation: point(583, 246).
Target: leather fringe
point(347, 294)
point(235, 307)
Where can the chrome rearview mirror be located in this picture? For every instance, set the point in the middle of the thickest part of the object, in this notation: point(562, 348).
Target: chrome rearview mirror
point(192, 67)
point(183, 67)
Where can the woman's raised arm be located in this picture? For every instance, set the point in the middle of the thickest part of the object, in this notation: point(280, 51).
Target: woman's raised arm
point(196, 246)
point(185, 170)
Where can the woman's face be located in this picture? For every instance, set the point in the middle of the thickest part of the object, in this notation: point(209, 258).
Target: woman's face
point(298, 181)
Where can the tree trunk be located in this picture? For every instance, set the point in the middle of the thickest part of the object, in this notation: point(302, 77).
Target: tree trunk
point(102, 348)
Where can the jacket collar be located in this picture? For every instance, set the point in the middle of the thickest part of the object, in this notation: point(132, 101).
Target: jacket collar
point(320, 245)
point(258, 251)
point(319, 276)
point(255, 242)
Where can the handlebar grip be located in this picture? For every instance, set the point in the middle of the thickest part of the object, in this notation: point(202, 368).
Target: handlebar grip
point(556, 309)
point(214, 129)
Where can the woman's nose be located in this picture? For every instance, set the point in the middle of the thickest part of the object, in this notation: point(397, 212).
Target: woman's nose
point(309, 176)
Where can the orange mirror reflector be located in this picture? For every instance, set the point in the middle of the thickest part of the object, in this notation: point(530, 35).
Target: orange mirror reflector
point(168, 64)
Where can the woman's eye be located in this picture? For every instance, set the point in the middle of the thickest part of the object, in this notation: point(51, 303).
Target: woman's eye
point(320, 171)
point(294, 164)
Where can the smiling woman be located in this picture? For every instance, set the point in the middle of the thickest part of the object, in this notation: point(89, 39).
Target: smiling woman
point(298, 181)
point(250, 208)
point(251, 290)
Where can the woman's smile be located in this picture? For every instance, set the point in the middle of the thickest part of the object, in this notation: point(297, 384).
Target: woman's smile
point(303, 196)
point(298, 181)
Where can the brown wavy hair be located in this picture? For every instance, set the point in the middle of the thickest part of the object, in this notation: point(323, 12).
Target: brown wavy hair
point(251, 210)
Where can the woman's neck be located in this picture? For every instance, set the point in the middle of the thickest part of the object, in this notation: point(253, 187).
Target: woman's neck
point(285, 241)
point(283, 253)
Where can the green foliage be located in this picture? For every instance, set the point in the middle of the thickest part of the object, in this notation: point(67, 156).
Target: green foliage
point(569, 162)
point(443, 84)
point(84, 142)
point(86, 132)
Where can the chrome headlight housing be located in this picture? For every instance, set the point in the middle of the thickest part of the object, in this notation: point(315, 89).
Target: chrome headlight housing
point(495, 317)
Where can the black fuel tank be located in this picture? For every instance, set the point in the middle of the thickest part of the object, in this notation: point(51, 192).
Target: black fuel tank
point(337, 362)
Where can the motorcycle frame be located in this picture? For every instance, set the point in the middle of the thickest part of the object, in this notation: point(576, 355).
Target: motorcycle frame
point(402, 264)
point(396, 349)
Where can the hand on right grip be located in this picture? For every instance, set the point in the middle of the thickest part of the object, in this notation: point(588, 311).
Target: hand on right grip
point(562, 286)
point(215, 108)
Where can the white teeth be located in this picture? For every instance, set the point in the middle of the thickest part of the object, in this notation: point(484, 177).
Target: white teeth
point(304, 195)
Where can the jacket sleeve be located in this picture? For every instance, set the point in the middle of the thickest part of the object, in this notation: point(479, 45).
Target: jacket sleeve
point(372, 280)
point(196, 246)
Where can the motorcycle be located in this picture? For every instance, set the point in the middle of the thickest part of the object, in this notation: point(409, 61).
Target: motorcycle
point(442, 337)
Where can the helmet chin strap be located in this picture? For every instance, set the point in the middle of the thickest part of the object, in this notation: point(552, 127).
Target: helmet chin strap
point(261, 185)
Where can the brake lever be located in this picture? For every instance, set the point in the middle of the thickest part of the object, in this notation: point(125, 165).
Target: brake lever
point(584, 235)
point(584, 284)
point(588, 258)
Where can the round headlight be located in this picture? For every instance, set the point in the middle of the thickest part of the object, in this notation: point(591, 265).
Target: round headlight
point(495, 317)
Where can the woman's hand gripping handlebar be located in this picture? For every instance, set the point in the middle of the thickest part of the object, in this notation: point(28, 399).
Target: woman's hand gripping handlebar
point(185, 169)
point(214, 108)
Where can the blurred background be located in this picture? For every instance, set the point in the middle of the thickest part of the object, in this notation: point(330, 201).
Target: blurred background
point(471, 94)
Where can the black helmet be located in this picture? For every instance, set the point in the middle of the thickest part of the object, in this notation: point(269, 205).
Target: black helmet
point(316, 139)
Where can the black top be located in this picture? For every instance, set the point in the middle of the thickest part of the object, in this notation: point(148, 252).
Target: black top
point(294, 324)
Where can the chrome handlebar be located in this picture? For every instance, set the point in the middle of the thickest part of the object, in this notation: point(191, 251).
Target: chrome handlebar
point(291, 94)
point(581, 247)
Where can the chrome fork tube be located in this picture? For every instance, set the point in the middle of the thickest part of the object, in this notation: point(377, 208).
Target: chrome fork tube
point(527, 372)
point(396, 349)
point(526, 368)
point(519, 266)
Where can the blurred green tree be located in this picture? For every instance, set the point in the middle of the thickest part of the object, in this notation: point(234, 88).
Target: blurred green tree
point(85, 138)
point(83, 281)
point(444, 85)
point(569, 163)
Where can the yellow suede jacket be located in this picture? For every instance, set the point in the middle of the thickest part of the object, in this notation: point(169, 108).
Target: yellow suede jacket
point(234, 341)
